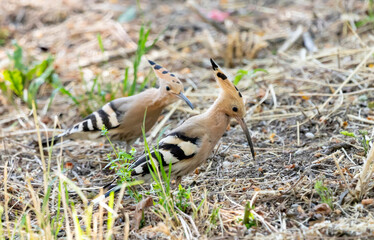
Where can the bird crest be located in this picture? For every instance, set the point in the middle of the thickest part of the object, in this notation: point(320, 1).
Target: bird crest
point(163, 73)
point(224, 82)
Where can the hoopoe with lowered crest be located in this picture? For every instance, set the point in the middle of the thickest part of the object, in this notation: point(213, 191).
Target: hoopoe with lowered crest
point(123, 117)
point(190, 144)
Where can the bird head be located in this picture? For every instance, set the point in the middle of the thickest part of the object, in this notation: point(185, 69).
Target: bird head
point(170, 85)
point(231, 101)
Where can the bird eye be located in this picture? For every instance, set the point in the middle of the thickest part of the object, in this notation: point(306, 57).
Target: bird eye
point(167, 88)
point(235, 109)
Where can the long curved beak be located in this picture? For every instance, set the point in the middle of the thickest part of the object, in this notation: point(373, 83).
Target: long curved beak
point(181, 95)
point(246, 132)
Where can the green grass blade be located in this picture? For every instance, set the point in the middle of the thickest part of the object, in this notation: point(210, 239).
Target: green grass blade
point(125, 81)
point(100, 41)
point(46, 198)
point(110, 217)
point(77, 227)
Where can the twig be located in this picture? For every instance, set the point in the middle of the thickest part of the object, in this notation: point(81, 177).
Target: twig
point(337, 106)
point(350, 116)
point(341, 173)
point(28, 132)
point(314, 82)
point(352, 27)
point(298, 133)
point(127, 226)
point(187, 231)
point(308, 42)
point(266, 224)
point(331, 94)
point(274, 116)
point(334, 51)
point(106, 57)
point(348, 78)
point(292, 39)
point(45, 174)
point(272, 92)
point(349, 158)
point(319, 160)
point(6, 197)
point(253, 199)
point(191, 220)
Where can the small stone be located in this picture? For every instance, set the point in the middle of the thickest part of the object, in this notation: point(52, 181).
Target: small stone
point(309, 135)
point(295, 205)
point(299, 152)
point(226, 164)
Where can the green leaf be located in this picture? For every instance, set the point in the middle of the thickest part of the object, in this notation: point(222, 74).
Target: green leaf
point(348, 134)
point(17, 58)
point(41, 68)
point(30, 75)
point(324, 192)
point(363, 22)
point(3, 88)
point(241, 73)
point(248, 219)
point(15, 78)
point(36, 83)
point(37, 71)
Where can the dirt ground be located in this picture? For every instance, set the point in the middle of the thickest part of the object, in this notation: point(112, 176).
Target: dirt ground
point(320, 82)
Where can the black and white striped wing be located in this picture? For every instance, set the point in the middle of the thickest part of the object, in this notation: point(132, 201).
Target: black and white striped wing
point(109, 116)
point(174, 148)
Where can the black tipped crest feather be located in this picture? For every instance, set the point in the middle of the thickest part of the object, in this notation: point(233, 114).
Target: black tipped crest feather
point(222, 76)
point(151, 62)
point(214, 65)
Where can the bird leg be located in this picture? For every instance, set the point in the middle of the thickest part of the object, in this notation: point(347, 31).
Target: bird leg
point(178, 181)
point(129, 145)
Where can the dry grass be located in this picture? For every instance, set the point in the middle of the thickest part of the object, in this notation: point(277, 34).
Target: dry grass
point(320, 83)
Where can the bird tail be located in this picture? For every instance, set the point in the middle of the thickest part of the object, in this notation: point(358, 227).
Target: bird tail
point(52, 140)
point(46, 142)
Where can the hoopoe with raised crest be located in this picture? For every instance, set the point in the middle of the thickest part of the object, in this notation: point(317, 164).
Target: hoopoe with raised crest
point(190, 144)
point(123, 117)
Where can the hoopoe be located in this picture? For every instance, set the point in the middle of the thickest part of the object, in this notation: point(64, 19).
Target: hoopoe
point(123, 117)
point(190, 144)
